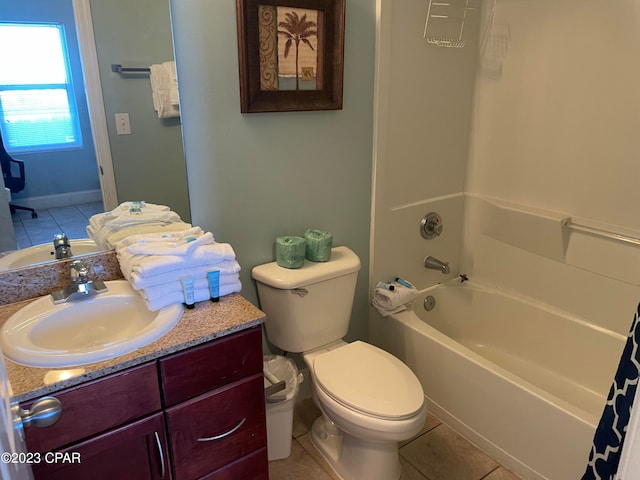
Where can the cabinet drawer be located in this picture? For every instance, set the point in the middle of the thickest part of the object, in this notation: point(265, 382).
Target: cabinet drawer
point(210, 366)
point(254, 466)
point(234, 414)
point(97, 406)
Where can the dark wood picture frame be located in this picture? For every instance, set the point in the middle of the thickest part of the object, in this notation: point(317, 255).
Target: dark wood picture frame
point(327, 94)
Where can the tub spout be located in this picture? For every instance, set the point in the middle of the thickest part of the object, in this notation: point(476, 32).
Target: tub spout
point(435, 264)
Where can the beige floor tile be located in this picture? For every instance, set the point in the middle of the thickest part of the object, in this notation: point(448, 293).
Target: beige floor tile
point(501, 474)
point(429, 424)
point(441, 454)
point(299, 465)
point(409, 472)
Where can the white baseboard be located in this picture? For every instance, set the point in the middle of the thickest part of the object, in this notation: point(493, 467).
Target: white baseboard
point(60, 200)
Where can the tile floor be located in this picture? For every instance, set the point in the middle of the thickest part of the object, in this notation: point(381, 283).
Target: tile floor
point(71, 220)
point(436, 453)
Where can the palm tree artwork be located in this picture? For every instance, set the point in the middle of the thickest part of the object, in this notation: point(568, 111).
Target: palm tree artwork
point(298, 27)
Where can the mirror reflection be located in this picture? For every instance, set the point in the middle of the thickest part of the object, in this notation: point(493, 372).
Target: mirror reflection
point(68, 183)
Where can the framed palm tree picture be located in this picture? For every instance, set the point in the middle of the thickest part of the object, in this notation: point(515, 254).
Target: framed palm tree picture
point(290, 54)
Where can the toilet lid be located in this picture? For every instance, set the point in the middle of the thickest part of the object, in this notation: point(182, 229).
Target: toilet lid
point(370, 380)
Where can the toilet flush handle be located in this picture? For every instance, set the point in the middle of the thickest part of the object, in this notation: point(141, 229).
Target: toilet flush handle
point(301, 292)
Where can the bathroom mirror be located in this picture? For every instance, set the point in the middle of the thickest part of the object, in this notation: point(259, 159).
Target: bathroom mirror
point(148, 164)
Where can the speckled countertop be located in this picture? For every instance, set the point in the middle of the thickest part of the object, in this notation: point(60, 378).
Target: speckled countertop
point(205, 322)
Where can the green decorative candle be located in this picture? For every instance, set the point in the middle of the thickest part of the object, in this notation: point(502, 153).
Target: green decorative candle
point(318, 245)
point(290, 251)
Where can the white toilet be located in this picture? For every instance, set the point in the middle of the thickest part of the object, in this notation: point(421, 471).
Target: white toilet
point(370, 400)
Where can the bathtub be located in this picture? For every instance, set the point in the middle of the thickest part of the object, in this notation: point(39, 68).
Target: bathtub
point(525, 382)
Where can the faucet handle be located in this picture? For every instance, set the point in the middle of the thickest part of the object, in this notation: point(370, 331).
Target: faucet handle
point(79, 272)
point(60, 239)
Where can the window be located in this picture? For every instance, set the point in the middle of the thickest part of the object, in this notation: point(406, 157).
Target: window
point(37, 104)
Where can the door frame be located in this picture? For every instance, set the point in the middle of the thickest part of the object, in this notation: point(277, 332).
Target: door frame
point(95, 101)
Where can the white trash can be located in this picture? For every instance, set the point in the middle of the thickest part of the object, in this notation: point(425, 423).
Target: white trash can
point(279, 406)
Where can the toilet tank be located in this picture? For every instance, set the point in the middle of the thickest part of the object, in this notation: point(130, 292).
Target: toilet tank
point(311, 306)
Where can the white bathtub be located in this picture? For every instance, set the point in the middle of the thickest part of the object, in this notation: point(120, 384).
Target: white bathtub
point(523, 381)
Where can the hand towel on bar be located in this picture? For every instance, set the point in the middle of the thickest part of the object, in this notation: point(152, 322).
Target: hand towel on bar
point(164, 89)
point(149, 265)
point(177, 296)
point(388, 302)
point(228, 267)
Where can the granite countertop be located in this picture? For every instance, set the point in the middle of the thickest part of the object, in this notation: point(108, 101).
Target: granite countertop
point(207, 321)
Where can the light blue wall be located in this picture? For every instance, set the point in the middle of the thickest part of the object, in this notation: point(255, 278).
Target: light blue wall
point(148, 164)
point(64, 171)
point(253, 177)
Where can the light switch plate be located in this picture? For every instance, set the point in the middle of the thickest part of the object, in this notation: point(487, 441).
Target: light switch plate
point(123, 127)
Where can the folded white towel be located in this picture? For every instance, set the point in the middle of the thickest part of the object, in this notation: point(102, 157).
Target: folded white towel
point(149, 265)
point(172, 295)
point(160, 237)
point(100, 219)
point(228, 267)
point(388, 302)
point(107, 239)
point(129, 219)
point(175, 246)
point(199, 283)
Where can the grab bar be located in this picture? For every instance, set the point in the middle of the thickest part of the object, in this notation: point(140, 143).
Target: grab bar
point(117, 68)
point(618, 237)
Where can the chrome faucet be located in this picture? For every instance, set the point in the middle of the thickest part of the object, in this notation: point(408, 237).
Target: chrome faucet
point(435, 264)
point(81, 285)
point(61, 246)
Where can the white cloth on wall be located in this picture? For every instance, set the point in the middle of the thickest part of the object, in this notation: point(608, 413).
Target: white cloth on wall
point(164, 89)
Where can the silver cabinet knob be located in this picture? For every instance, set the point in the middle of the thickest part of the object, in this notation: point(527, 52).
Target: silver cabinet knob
point(43, 413)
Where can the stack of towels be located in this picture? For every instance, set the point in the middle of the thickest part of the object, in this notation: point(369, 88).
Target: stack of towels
point(130, 218)
point(393, 297)
point(154, 263)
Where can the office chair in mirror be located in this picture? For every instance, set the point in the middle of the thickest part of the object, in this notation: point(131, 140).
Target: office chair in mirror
point(14, 177)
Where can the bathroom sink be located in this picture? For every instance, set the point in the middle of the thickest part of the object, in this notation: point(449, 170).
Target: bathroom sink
point(84, 331)
point(44, 253)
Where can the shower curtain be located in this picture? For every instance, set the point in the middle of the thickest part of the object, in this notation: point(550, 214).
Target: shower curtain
point(609, 438)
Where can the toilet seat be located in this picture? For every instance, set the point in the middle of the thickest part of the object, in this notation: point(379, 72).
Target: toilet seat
point(369, 380)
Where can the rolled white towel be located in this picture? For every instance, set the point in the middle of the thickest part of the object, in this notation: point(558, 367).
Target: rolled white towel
point(172, 295)
point(388, 302)
point(227, 267)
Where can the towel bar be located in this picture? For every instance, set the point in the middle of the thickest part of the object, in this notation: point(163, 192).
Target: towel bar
point(117, 68)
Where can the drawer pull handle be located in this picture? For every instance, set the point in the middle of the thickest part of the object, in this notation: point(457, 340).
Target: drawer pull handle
point(161, 453)
point(222, 435)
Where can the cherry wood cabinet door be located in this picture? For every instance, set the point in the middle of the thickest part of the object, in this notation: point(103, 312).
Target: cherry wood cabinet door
point(217, 428)
point(137, 451)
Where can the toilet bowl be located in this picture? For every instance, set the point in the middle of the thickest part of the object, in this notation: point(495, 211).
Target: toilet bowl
point(369, 399)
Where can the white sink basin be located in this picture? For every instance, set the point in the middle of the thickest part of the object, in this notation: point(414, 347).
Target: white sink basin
point(84, 331)
point(44, 253)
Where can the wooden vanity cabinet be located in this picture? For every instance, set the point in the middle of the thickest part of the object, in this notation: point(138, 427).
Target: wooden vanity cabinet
point(196, 414)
